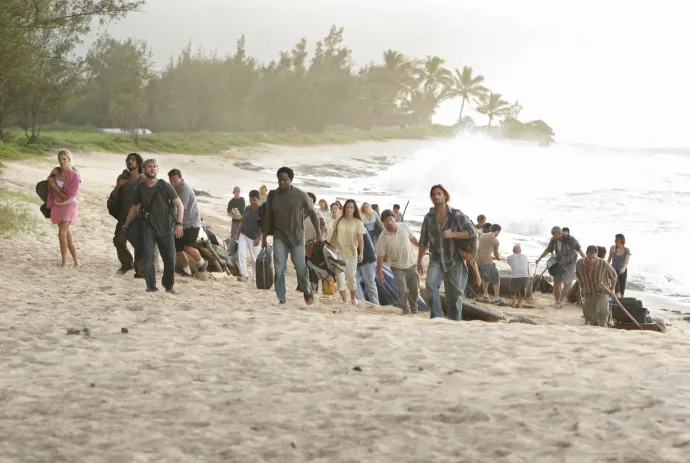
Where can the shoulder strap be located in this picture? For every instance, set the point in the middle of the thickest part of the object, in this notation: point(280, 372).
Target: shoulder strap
point(159, 186)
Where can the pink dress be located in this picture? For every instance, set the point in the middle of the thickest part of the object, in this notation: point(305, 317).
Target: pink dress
point(65, 211)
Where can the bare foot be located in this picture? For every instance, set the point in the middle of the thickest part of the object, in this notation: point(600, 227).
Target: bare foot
point(76, 263)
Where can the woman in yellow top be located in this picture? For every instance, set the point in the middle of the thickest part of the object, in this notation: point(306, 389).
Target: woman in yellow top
point(348, 238)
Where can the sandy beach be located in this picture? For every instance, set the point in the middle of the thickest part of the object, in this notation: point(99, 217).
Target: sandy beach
point(220, 372)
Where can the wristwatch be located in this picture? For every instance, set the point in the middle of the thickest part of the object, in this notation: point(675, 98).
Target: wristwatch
point(178, 223)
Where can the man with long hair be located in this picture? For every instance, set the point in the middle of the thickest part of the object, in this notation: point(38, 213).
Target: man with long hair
point(442, 229)
point(126, 183)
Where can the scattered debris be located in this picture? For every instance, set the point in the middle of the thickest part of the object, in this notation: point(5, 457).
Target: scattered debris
point(73, 331)
point(124, 330)
point(92, 385)
point(87, 332)
point(357, 368)
point(293, 445)
point(521, 319)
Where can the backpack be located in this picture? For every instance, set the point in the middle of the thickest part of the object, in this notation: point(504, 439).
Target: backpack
point(467, 247)
point(113, 206)
point(325, 262)
point(42, 190)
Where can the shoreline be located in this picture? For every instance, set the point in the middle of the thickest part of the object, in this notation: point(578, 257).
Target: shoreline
point(210, 174)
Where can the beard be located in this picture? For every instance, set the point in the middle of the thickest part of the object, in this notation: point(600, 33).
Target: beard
point(148, 175)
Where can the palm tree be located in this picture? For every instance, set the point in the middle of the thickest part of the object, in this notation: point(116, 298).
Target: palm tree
point(432, 76)
point(492, 105)
point(398, 71)
point(420, 106)
point(465, 86)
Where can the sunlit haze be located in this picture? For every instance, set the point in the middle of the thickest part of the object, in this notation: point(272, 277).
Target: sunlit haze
point(598, 72)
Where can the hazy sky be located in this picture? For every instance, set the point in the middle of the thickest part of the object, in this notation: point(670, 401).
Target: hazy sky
point(607, 72)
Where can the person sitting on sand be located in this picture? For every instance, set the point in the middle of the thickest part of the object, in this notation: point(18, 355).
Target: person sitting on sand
point(127, 181)
point(285, 216)
point(236, 207)
point(191, 224)
point(263, 194)
point(395, 243)
point(487, 252)
point(156, 198)
point(441, 227)
point(372, 222)
point(348, 239)
point(398, 214)
point(63, 189)
point(519, 275)
point(481, 220)
point(619, 257)
point(597, 282)
point(565, 249)
point(249, 237)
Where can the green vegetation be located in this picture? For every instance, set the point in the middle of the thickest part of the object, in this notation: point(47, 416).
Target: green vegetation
point(14, 218)
point(201, 102)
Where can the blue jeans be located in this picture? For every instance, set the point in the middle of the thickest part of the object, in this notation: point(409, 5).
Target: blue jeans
point(454, 281)
point(367, 273)
point(166, 246)
point(280, 254)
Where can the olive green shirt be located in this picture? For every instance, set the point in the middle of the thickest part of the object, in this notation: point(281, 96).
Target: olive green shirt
point(288, 216)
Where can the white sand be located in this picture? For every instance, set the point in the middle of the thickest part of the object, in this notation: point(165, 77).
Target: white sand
point(220, 372)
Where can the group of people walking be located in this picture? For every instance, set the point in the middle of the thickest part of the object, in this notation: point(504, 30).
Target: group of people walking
point(154, 214)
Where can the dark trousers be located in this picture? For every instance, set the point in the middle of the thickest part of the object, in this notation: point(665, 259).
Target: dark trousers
point(166, 247)
point(620, 282)
point(123, 254)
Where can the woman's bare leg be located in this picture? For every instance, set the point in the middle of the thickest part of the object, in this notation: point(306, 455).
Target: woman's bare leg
point(63, 229)
point(70, 245)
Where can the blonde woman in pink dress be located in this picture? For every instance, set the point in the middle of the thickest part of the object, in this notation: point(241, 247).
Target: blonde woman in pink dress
point(63, 189)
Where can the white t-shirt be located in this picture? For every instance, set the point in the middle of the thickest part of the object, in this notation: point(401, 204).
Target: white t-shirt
point(397, 247)
point(519, 265)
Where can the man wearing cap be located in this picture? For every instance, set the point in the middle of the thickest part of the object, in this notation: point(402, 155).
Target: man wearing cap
point(565, 249)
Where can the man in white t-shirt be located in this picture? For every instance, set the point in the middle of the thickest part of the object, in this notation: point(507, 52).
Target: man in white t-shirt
point(395, 243)
point(519, 278)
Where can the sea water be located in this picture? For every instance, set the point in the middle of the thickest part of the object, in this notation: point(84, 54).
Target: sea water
point(595, 191)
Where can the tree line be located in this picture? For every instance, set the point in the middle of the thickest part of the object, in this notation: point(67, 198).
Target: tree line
point(115, 85)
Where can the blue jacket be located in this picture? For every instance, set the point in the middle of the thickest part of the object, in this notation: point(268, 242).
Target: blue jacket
point(369, 251)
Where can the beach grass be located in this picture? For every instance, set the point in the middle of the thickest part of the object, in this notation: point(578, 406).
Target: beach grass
point(87, 138)
point(14, 218)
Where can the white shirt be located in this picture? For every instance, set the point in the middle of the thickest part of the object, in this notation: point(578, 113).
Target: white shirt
point(519, 265)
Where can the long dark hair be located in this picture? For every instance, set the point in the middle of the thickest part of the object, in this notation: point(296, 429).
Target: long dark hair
point(140, 160)
point(342, 215)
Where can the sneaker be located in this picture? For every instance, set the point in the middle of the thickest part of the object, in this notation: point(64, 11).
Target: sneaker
point(124, 269)
point(354, 302)
point(346, 302)
point(309, 299)
point(242, 279)
point(138, 275)
point(558, 305)
point(170, 290)
point(203, 267)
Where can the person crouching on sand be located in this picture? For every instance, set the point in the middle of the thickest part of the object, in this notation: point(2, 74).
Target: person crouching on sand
point(598, 281)
point(63, 189)
point(156, 198)
point(519, 278)
point(348, 238)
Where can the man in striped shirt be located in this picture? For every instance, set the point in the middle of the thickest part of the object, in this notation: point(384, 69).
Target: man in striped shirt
point(597, 282)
